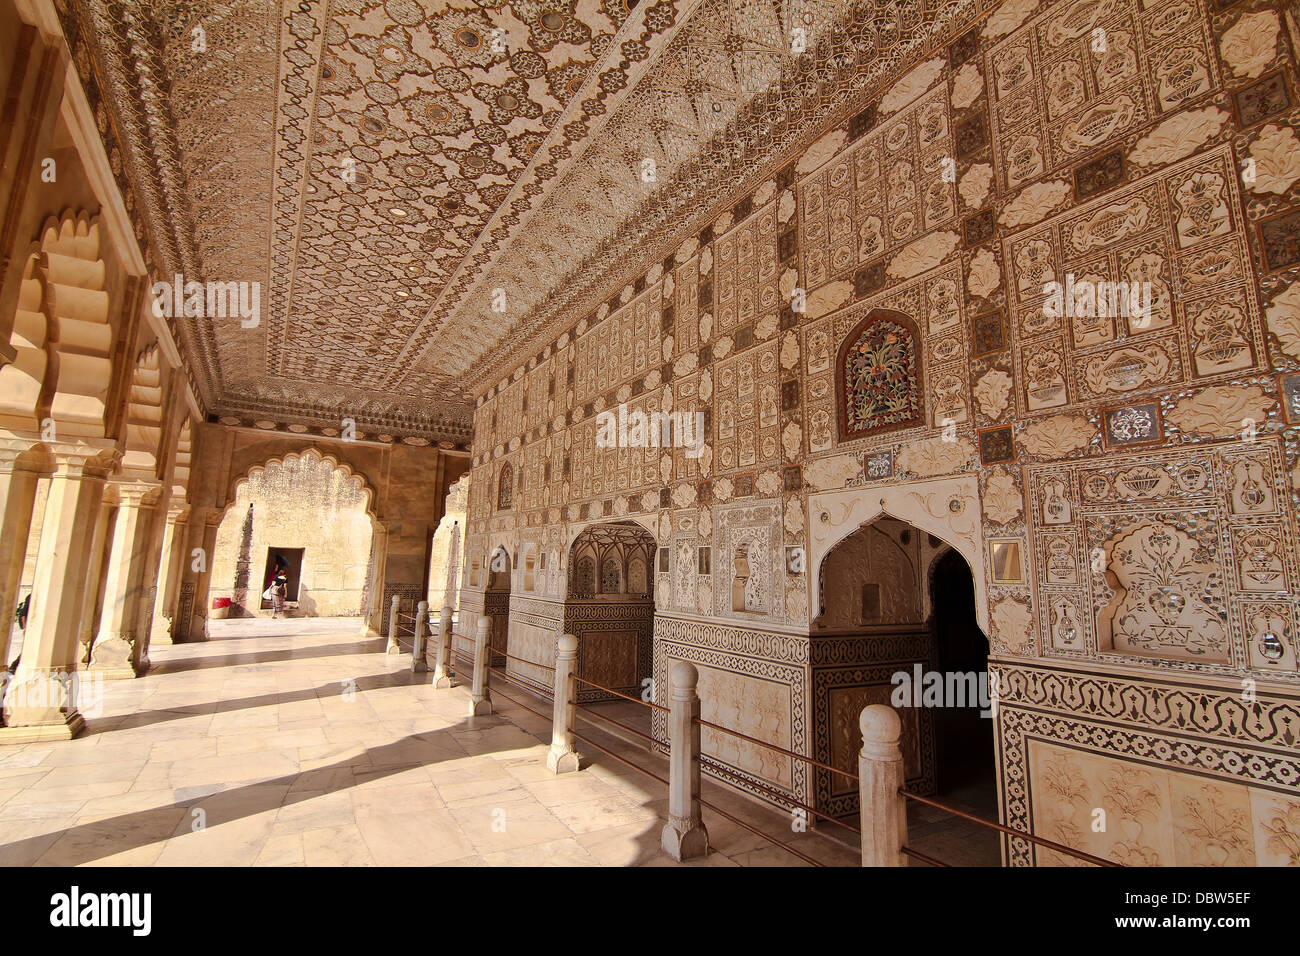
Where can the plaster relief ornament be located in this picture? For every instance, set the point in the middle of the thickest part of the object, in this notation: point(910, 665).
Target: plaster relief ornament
point(1250, 44)
point(1277, 160)
point(791, 439)
point(922, 254)
point(828, 298)
point(1178, 137)
point(833, 472)
point(685, 251)
point(1035, 203)
point(993, 392)
point(1057, 436)
point(1126, 369)
point(1012, 624)
point(1003, 502)
point(1220, 410)
point(821, 151)
point(764, 193)
point(985, 276)
point(785, 208)
point(1164, 602)
point(1008, 17)
point(967, 85)
point(912, 85)
point(1284, 319)
point(974, 186)
point(934, 456)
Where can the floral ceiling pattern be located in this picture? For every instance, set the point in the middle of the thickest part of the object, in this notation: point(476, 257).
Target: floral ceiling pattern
point(420, 184)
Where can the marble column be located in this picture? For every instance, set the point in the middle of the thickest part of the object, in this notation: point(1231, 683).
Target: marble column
point(93, 605)
point(118, 649)
point(373, 625)
point(17, 499)
point(191, 619)
point(169, 562)
point(36, 706)
point(153, 525)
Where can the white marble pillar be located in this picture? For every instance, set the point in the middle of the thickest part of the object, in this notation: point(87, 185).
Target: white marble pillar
point(684, 836)
point(118, 649)
point(480, 698)
point(17, 499)
point(35, 708)
point(880, 777)
point(99, 546)
point(563, 758)
point(164, 606)
point(442, 653)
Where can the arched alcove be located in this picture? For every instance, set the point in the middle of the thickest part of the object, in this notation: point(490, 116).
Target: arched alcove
point(609, 605)
point(304, 512)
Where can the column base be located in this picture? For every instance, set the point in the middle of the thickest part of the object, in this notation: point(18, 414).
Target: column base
point(419, 667)
point(71, 726)
point(563, 761)
point(685, 841)
point(441, 681)
point(113, 658)
point(480, 706)
point(393, 648)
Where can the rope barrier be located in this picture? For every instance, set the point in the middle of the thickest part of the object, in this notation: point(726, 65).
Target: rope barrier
point(992, 825)
point(918, 855)
point(766, 836)
point(611, 720)
point(610, 690)
point(525, 661)
point(763, 743)
point(588, 714)
point(785, 799)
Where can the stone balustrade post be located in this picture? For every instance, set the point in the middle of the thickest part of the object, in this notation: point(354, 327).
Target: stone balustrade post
point(563, 758)
point(393, 647)
point(881, 776)
point(418, 665)
point(442, 653)
point(480, 700)
point(684, 835)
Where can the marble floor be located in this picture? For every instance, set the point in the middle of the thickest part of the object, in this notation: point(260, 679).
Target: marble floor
point(296, 742)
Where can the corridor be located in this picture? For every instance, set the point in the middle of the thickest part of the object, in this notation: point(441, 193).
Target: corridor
point(298, 743)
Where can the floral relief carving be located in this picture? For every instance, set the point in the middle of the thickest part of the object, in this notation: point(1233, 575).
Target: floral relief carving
point(1163, 602)
point(1003, 502)
point(1222, 410)
point(974, 187)
point(1276, 153)
point(922, 254)
point(1012, 624)
point(1249, 45)
point(1008, 17)
point(985, 275)
point(967, 85)
point(1283, 318)
point(1179, 136)
point(912, 85)
point(1035, 203)
point(993, 392)
point(934, 456)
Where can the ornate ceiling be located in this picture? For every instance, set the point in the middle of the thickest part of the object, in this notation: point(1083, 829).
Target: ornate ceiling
point(384, 168)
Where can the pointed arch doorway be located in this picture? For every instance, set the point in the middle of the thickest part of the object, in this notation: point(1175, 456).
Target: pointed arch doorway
point(896, 623)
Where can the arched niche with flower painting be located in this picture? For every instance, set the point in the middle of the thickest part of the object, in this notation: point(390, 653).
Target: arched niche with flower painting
point(878, 380)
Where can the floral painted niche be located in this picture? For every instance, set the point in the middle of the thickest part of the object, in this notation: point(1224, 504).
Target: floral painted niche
point(878, 376)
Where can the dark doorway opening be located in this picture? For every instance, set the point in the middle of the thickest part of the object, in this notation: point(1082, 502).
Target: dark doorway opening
point(966, 771)
point(290, 561)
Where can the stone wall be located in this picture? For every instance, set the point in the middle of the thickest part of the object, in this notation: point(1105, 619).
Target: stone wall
point(300, 502)
point(869, 327)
